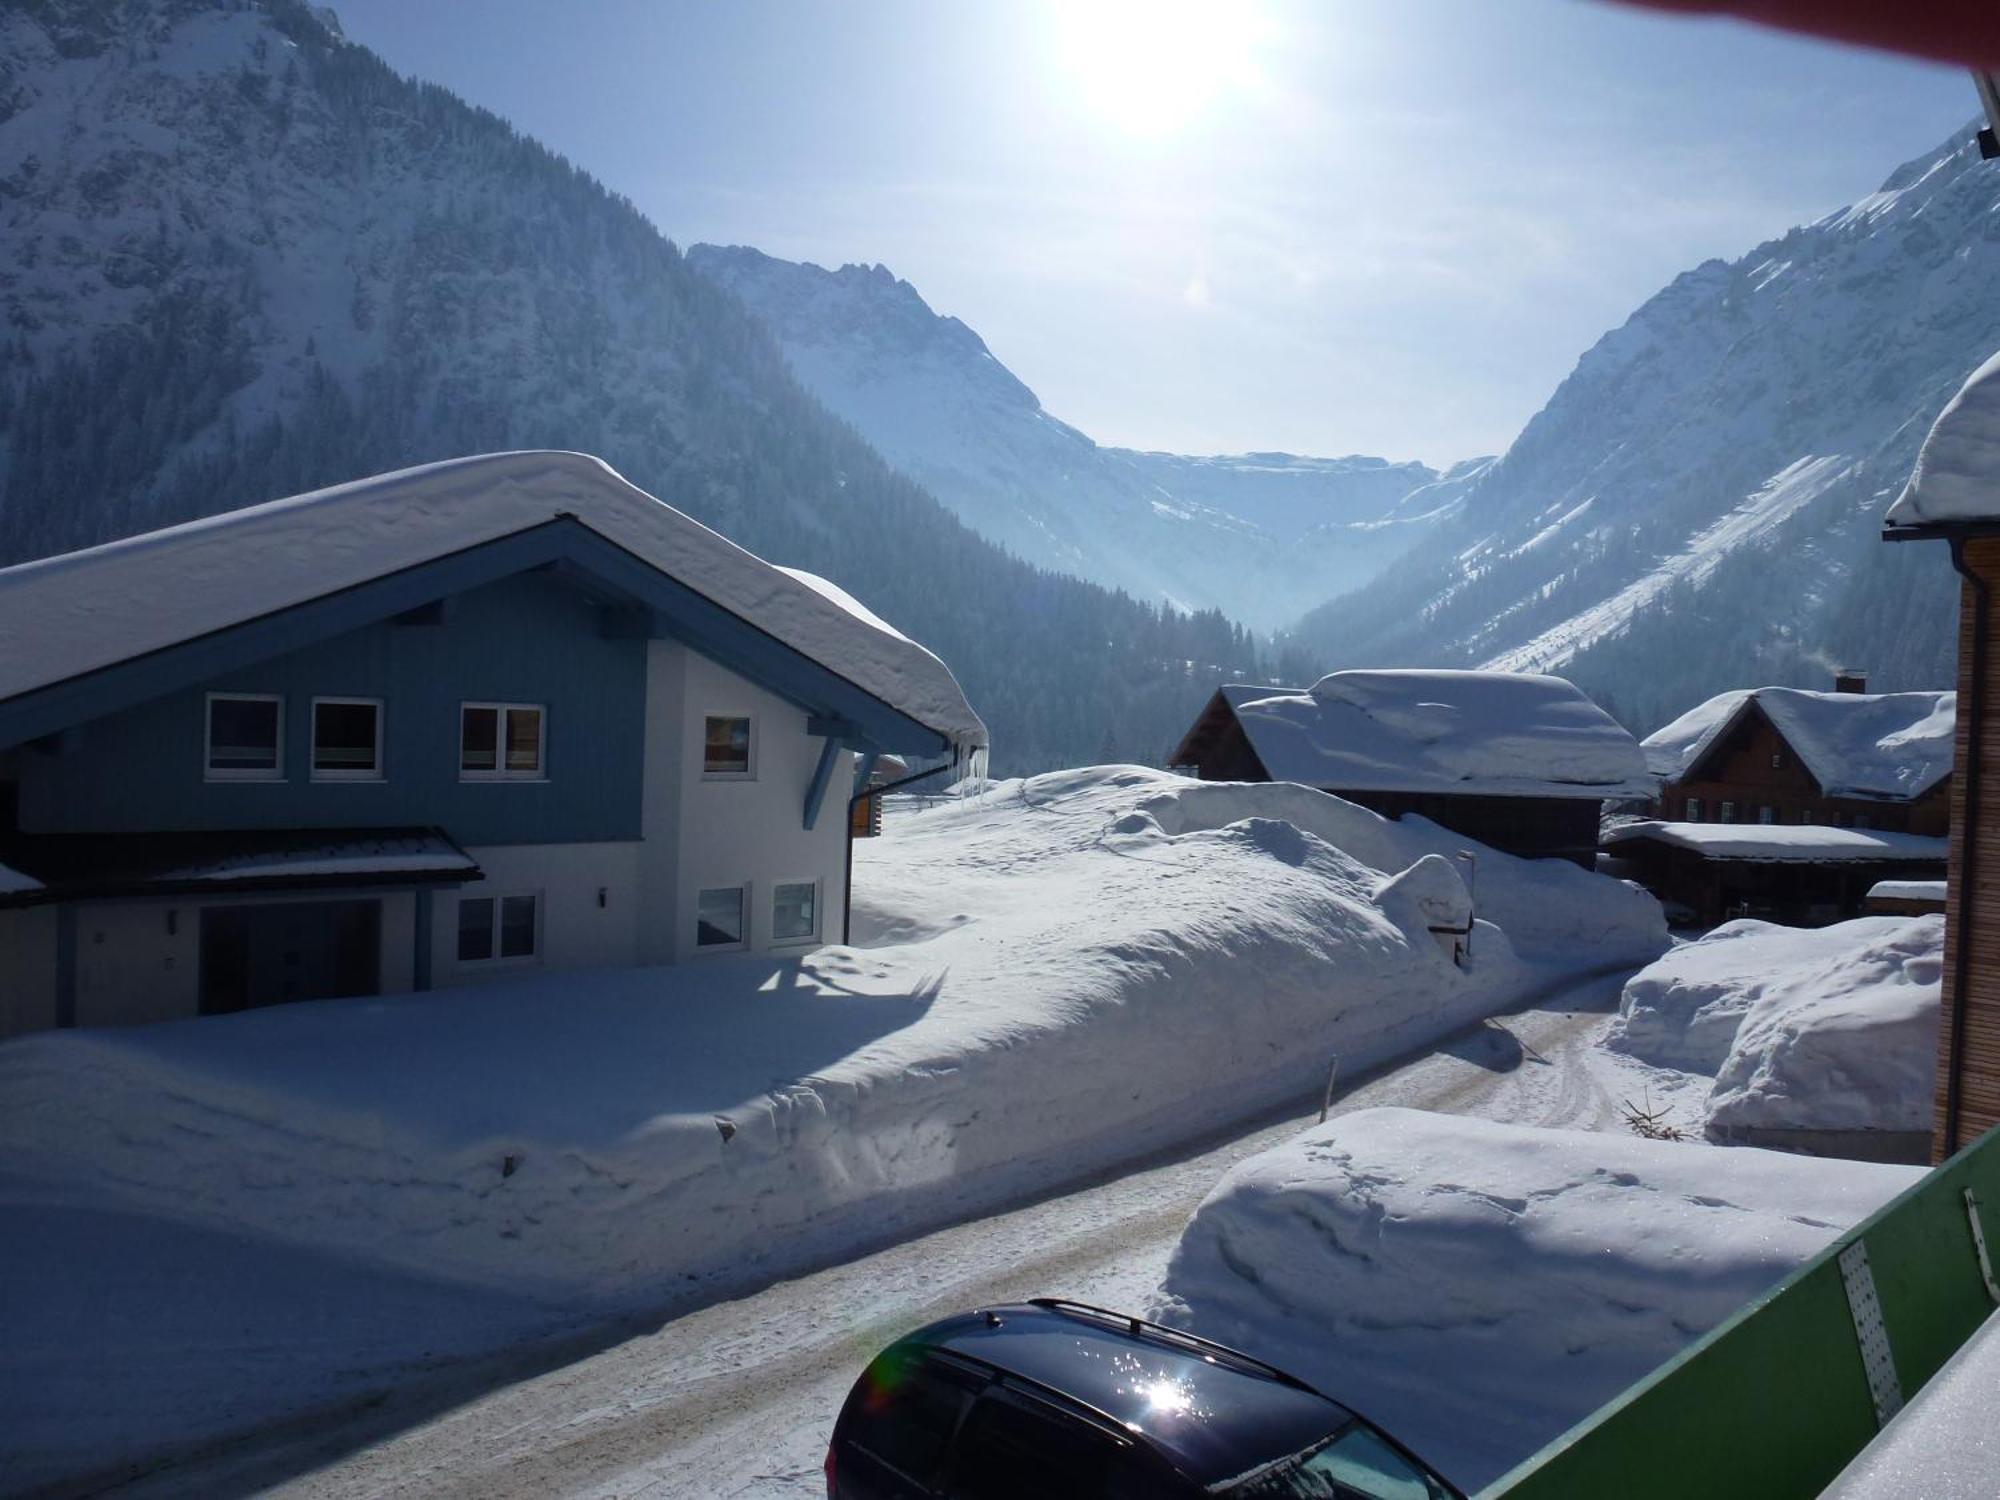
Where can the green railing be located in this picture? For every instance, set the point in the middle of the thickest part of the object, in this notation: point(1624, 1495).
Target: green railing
point(1776, 1401)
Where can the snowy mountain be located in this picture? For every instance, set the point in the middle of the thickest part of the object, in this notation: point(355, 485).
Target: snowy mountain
point(1699, 505)
point(1262, 536)
point(241, 258)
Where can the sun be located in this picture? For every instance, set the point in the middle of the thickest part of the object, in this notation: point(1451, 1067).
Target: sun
point(1152, 67)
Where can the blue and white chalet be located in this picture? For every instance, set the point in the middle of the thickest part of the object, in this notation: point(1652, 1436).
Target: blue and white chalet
point(425, 729)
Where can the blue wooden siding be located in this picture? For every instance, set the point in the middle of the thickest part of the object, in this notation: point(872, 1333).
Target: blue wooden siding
point(528, 639)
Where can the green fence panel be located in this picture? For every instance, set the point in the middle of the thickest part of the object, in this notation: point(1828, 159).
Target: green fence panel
point(1776, 1401)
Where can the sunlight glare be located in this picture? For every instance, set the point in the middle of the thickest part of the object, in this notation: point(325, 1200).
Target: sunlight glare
point(1150, 67)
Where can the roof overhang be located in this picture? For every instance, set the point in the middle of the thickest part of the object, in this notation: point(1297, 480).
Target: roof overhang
point(649, 602)
point(107, 866)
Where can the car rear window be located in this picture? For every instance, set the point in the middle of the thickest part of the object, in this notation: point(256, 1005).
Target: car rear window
point(1356, 1463)
point(906, 1411)
point(1013, 1446)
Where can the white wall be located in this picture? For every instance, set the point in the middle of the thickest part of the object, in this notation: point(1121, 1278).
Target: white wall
point(27, 969)
point(751, 833)
point(576, 932)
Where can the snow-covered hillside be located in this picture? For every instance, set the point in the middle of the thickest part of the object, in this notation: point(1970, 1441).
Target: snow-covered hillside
point(1262, 536)
point(1699, 504)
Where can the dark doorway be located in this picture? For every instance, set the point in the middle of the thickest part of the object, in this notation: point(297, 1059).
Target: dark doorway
point(286, 951)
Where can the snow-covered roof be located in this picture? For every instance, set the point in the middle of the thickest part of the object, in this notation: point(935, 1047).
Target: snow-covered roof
point(1500, 734)
point(1785, 843)
point(1907, 890)
point(86, 610)
point(1855, 744)
point(1957, 475)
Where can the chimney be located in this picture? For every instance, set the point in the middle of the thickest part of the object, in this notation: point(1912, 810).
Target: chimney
point(1848, 680)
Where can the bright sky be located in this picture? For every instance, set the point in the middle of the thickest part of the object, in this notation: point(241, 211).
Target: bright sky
point(1212, 225)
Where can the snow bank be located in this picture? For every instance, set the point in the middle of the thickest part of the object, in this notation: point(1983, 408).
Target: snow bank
point(1495, 733)
point(1683, 1009)
point(1854, 744)
point(1478, 1288)
point(1843, 1040)
point(1095, 964)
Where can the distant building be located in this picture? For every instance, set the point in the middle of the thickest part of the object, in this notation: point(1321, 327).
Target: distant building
point(1844, 759)
point(1954, 496)
point(1906, 898)
point(1789, 804)
point(1808, 875)
point(495, 714)
point(1519, 762)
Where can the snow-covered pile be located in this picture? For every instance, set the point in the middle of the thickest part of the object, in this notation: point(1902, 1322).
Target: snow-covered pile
point(1829, 1028)
point(1091, 964)
point(1683, 1009)
point(1854, 744)
point(1846, 1042)
point(1494, 733)
point(1957, 474)
point(1478, 1288)
point(1907, 890)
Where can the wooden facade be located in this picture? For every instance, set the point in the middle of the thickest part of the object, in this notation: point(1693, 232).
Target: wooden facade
point(1752, 775)
point(1798, 893)
point(1969, 1035)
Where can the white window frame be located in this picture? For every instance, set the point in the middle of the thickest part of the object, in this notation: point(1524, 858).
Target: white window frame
point(819, 912)
point(379, 773)
point(1692, 811)
point(210, 772)
point(748, 891)
point(1726, 812)
point(495, 959)
point(747, 774)
point(500, 771)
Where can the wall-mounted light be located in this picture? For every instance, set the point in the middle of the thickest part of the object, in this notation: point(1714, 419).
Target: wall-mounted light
point(173, 921)
point(602, 891)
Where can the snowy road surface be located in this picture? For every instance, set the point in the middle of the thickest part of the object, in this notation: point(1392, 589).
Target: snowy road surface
point(735, 1400)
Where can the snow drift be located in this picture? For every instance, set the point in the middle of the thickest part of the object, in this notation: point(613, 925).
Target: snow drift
point(1847, 1043)
point(1093, 964)
point(1478, 1288)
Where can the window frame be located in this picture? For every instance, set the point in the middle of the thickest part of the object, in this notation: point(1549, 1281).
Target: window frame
point(819, 902)
point(209, 770)
point(313, 771)
point(749, 772)
point(747, 895)
point(1692, 810)
point(496, 959)
point(500, 770)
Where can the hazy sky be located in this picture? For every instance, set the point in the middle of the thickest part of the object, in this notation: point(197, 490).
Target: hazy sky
point(1326, 227)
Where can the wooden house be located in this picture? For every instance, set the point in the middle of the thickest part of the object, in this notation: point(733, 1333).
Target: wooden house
point(1789, 756)
point(1906, 898)
point(1806, 875)
point(1954, 497)
point(1520, 762)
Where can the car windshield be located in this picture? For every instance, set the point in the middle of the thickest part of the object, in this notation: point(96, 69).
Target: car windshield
point(1355, 1463)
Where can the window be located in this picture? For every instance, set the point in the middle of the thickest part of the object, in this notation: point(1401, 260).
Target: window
point(347, 739)
point(718, 918)
point(1767, 815)
point(1777, 760)
point(1357, 1464)
point(1806, 815)
point(501, 741)
point(1862, 820)
point(1012, 1446)
point(1728, 812)
point(795, 911)
point(1694, 809)
point(246, 737)
point(514, 920)
point(907, 1419)
point(726, 747)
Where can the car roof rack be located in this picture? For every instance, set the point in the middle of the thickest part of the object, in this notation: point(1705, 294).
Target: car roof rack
point(1140, 1326)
